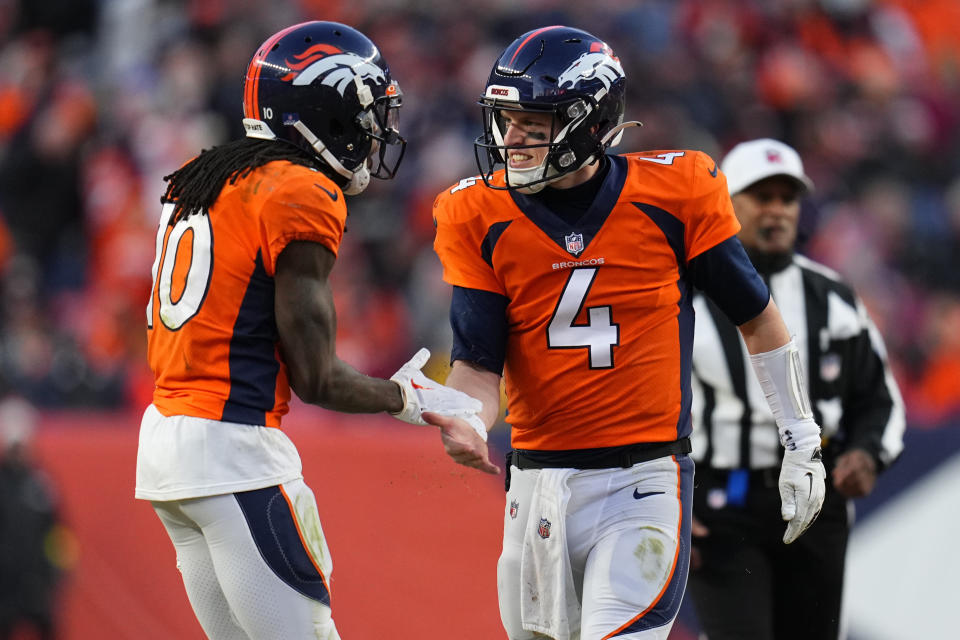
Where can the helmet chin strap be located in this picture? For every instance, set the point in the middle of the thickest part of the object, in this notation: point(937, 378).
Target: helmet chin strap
point(358, 180)
point(520, 178)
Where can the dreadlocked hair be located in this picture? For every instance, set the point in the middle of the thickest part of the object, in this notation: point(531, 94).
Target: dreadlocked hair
point(195, 186)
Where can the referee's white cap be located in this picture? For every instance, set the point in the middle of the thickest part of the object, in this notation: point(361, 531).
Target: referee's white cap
point(755, 160)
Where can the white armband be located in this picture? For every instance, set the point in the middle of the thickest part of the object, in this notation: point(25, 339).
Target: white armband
point(781, 378)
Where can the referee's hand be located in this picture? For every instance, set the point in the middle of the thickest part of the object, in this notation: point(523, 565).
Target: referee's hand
point(698, 530)
point(855, 473)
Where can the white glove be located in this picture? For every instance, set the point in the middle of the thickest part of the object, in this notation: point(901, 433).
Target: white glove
point(420, 394)
point(801, 490)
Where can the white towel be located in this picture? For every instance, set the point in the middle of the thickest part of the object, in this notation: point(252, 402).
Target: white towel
point(549, 601)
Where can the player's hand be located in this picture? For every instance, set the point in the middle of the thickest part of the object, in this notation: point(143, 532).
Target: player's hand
point(855, 473)
point(801, 490)
point(697, 530)
point(462, 442)
point(420, 394)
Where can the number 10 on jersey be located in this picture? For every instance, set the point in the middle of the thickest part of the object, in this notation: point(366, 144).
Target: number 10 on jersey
point(600, 335)
point(181, 292)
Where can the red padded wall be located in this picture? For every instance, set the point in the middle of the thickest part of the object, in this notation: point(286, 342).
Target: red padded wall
point(414, 537)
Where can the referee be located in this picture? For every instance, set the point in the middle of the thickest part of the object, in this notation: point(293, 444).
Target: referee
point(746, 584)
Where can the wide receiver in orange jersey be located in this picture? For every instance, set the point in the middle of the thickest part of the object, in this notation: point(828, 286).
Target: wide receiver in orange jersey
point(572, 272)
point(241, 312)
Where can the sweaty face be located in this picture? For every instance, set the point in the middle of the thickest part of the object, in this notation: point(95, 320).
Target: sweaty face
point(768, 211)
point(522, 128)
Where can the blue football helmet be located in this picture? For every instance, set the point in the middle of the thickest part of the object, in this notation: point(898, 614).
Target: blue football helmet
point(325, 87)
point(565, 72)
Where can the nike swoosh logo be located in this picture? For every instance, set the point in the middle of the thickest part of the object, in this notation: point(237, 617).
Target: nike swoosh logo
point(810, 478)
point(713, 172)
point(333, 194)
point(417, 386)
point(639, 496)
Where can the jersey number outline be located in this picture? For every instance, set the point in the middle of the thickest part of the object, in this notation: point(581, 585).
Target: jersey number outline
point(176, 313)
point(600, 335)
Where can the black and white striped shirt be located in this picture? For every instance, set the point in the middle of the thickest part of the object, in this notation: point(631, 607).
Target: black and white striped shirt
point(854, 396)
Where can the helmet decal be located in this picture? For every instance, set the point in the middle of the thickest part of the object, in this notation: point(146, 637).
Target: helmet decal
point(303, 59)
point(338, 70)
point(592, 64)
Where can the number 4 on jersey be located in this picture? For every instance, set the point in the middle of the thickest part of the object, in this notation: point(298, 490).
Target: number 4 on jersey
point(600, 335)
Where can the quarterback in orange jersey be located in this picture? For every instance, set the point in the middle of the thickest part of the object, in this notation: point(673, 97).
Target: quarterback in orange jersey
point(572, 273)
point(241, 312)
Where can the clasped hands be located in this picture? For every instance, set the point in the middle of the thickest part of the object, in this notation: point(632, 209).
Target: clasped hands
point(457, 414)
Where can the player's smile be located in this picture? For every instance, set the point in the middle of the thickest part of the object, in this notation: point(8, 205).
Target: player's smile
point(522, 160)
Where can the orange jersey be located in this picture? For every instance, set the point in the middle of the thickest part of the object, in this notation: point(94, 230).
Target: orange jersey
point(600, 319)
point(212, 339)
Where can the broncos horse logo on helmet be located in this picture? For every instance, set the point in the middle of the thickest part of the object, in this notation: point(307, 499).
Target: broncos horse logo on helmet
point(565, 72)
point(335, 68)
point(592, 64)
point(325, 87)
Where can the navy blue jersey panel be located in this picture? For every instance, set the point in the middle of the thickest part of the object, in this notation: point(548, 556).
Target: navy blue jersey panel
point(685, 320)
point(673, 229)
point(490, 240)
point(253, 362)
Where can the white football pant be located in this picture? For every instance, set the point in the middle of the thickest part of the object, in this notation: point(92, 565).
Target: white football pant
point(627, 541)
point(255, 564)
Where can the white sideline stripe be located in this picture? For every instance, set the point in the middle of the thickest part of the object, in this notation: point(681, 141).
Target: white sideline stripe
point(902, 564)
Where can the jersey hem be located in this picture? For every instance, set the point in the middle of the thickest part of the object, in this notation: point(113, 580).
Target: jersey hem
point(212, 490)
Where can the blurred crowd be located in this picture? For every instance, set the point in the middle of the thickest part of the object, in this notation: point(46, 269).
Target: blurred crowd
point(99, 99)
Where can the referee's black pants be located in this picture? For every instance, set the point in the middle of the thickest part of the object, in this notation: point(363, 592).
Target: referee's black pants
point(750, 585)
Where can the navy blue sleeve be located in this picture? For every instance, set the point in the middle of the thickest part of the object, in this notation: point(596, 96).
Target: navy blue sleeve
point(479, 322)
point(726, 275)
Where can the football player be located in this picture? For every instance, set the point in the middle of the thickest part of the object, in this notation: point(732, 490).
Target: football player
point(241, 312)
point(572, 273)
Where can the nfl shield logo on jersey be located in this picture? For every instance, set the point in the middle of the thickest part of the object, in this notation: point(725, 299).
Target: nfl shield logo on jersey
point(514, 507)
point(544, 528)
point(574, 243)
